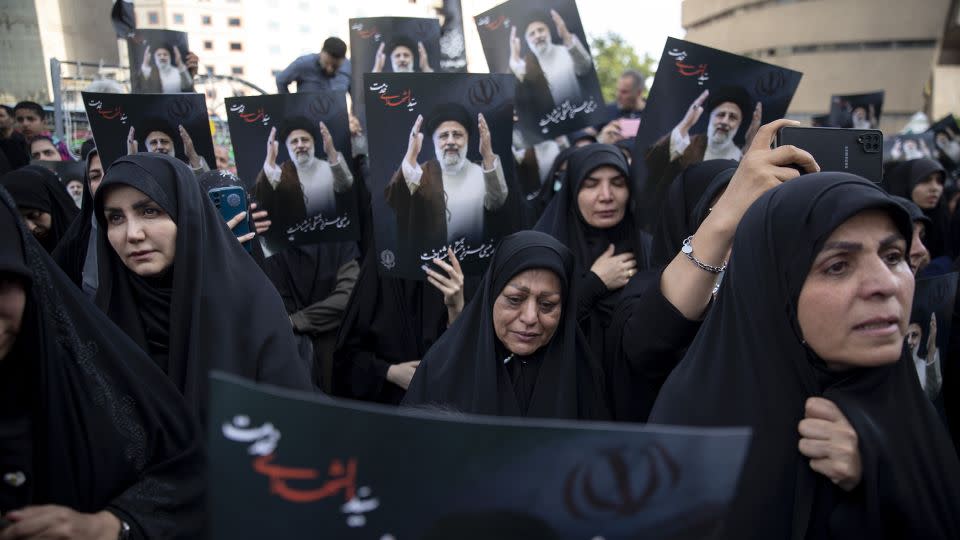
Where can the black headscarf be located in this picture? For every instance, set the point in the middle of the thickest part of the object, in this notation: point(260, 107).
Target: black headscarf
point(749, 367)
point(563, 221)
point(465, 368)
point(85, 414)
point(39, 188)
point(214, 309)
point(902, 179)
point(681, 213)
point(72, 253)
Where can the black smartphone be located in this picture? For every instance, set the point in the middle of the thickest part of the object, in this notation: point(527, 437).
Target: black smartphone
point(230, 201)
point(855, 151)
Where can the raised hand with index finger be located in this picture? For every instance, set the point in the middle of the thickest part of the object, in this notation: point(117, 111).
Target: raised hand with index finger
point(415, 143)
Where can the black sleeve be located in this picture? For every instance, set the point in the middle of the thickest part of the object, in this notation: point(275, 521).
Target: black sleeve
point(589, 289)
point(656, 334)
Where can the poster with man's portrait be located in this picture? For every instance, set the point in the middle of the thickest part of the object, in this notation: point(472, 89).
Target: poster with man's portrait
point(447, 474)
point(544, 47)
point(858, 111)
point(704, 104)
point(391, 45)
point(907, 146)
point(172, 124)
point(440, 169)
point(293, 156)
point(70, 174)
point(158, 62)
point(928, 335)
point(946, 138)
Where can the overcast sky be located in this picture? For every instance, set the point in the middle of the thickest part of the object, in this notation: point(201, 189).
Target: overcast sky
point(645, 24)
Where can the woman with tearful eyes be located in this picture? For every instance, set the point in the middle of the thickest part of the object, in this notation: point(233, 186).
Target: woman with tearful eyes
point(805, 345)
point(175, 278)
point(516, 350)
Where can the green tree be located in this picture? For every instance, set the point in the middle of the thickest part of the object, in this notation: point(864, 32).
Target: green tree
point(612, 55)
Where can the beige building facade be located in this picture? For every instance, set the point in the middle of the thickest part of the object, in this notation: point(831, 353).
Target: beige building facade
point(842, 47)
point(34, 31)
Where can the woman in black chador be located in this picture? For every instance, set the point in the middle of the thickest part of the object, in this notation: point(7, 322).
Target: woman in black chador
point(516, 349)
point(94, 440)
point(805, 345)
point(176, 280)
point(595, 217)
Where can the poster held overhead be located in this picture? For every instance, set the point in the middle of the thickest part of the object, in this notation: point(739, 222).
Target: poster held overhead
point(158, 62)
point(173, 124)
point(291, 156)
point(439, 168)
point(704, 104)
point(545, 49)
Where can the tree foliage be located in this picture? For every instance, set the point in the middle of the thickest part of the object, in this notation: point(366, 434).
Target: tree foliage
point(612, 55)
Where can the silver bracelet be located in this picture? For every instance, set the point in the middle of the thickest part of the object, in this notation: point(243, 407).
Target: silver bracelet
point(687, 250)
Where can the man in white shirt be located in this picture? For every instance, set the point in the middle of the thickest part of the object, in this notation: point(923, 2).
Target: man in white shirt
point(304, 186)
point(553, 66)
point(448, 198)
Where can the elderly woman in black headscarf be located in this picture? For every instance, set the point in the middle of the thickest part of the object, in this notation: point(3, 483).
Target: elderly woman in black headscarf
point(595, 217)
point(176, 280)
point(94, 441)
point(805, 345)
point(921, 181)
point(516, 349)
point(45, 206)
point(77, 252)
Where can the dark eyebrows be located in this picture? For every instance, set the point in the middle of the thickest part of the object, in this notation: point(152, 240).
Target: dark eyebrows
point(526, 290)
point(857, 246)
point(139, 205)
point(612, 178)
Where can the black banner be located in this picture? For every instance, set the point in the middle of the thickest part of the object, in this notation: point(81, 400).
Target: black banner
point(336, 469)
point(860, 111)
point(453, 47)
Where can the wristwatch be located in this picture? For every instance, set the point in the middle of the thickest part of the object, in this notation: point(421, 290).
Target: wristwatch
point(124, 531)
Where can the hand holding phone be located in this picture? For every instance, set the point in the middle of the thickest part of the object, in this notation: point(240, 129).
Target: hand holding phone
point(855, 151)
point(231, 201)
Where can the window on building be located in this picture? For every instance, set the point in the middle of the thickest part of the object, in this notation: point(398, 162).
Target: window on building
point(208, 45)
point(275, 49)
point(237, 70)
point(234, 21)
point(236, 46)
point(209, 70)
point(178, 18)
point(275, 72)
point(206, 20)
point(153, 17)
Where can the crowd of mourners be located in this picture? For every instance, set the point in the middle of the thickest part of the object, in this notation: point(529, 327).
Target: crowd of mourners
point(766, 294)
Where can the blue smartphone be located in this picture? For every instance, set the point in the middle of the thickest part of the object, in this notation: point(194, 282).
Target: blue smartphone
point(230, 201)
